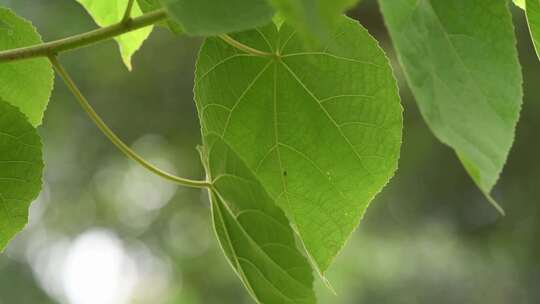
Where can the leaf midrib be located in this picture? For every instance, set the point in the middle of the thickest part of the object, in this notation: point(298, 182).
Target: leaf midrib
point(280, 60)
point(259, 249)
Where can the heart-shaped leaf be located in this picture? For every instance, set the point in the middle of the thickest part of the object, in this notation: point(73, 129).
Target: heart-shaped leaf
point(320, 129)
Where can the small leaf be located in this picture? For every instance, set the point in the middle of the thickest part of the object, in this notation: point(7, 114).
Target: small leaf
point(210, 18)
point(319, 128)
point(533, 19)
point(254, 233)
point(108, 12)
point(314, 18)
point(520, 3)
point(25, 84)
point(460, 60)
point(21, 169)
point(152, 5)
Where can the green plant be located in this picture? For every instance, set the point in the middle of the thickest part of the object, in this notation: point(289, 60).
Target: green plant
point(300, 114)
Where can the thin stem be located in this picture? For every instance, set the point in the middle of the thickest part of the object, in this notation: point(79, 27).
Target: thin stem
point(113, 137)
point(55, 47)
point(127, 13)
point(237, 44)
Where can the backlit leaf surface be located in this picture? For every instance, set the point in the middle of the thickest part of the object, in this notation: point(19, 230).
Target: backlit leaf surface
point(320, 129)
point(108, 12)
point(254, 233)
point(25, 84)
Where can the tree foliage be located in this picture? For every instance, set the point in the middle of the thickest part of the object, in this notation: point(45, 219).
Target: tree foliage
point(461, 63)
point(300, 114)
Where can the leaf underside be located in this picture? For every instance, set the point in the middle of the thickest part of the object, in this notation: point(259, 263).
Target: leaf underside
point(21, 169)
point(460, 60)
point(152, 5)
point(320, 129)
point(313, 18)
point(254, 233)
point(109, 12)
point(209, 17)
point(25, 84)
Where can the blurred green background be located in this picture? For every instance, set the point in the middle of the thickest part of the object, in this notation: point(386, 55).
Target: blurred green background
point(104, 231)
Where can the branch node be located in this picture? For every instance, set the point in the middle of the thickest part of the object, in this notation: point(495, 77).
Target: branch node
point(84, 39)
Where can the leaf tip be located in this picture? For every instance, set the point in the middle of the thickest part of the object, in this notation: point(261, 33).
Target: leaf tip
point(328, 285)
point(495, 204)
point(127, 62)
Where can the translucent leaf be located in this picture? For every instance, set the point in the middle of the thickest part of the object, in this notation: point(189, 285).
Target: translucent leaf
point(209, 17)
point(460, 60)
point(21, 168)
point(533, 19)
point(108, 12)
point(520, 3)
point(254, 233)
point(319, 128)
point(25, 84)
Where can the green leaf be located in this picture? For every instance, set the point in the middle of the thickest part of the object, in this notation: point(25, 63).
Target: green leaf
point(460, 60)
point(152, 5)
point(520, 3)
point(149, 5)
point(24, 84)
point(108, 12)
point(210, 18)
point(314, 18)
point(21, 168)
point(319, 128)
point(253, 232)
point(533, 19)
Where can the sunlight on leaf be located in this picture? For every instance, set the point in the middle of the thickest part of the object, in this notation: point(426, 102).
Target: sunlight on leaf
point(319, 128)
point(108, 12)
point(24, 84)
point(254, 233)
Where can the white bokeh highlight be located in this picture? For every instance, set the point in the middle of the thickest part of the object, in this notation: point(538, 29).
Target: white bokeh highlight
point(98, 270)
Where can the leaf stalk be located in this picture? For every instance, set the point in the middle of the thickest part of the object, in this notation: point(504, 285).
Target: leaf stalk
point(239, 45)
point(127, 13)
point(114, 138)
